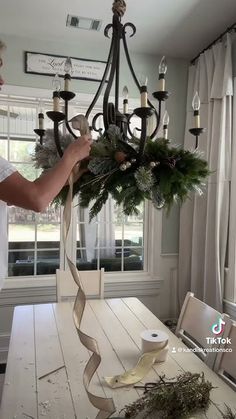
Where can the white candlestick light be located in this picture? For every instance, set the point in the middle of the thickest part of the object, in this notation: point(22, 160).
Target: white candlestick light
point(125, 100)
point(68, 72)
point(196, 107)
point(162, 72)
point(56, 84)
point(143, 89)
point(166, 120)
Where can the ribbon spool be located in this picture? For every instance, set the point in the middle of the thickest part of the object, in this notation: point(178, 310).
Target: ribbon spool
point(154, 348)
point(155, 340)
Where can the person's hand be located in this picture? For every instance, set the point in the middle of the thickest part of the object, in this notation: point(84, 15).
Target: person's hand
point(79, 149)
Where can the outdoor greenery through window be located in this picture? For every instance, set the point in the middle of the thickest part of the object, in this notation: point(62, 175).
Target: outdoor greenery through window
point(112, 240)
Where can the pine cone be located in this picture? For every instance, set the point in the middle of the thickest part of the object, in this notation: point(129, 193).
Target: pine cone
point(120, 156)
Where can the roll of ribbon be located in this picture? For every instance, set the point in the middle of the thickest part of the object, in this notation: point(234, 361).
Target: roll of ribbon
point(157, 349)
point(152, 340)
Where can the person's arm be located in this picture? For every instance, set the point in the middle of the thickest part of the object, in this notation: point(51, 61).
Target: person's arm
point(16, 190)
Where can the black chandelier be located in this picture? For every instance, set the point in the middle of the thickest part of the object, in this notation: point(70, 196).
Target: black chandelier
point(111, 113)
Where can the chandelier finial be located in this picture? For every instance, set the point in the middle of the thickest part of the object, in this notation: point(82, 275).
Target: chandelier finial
point(119, 7)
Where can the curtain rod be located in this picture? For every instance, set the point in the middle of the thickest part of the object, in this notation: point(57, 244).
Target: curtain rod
point(230, 28)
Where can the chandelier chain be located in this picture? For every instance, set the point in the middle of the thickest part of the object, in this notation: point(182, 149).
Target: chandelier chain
point(119, 7)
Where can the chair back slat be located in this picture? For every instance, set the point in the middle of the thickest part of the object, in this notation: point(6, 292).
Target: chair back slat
point(195, 327)
point(92, 283)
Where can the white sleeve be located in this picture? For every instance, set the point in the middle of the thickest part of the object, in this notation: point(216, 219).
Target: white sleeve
point(6, 169)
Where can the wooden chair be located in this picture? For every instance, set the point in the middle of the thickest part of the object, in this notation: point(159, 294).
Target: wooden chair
point(195, 325)
point(92, 283)
point(225, 364)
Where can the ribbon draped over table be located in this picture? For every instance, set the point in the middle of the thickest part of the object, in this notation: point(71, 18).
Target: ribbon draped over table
point(105, 405)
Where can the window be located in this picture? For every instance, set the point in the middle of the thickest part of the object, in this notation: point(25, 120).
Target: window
point(113, 240)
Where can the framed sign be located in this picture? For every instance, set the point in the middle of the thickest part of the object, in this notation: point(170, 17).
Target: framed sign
point(49, 65)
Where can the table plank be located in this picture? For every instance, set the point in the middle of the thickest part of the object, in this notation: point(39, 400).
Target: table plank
point(54, 397)
point(75, 358)
point(20, 392)
point(93, 327)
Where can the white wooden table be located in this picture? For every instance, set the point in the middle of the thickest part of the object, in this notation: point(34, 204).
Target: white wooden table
point(46, 359)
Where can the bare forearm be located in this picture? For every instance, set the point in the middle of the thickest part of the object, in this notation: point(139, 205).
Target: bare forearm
point(16, 190)
point(50, 184)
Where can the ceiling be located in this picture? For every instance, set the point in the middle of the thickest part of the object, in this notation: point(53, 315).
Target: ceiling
point(177, 28)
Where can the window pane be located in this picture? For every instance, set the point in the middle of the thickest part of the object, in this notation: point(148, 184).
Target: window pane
point(20, 216)
point(26, 170)
point(3, 148)
point(48, 233)
point(87, 236)
point(21, 151)
point(133, 263)
point(4, 120)
point(133, 232)
point(22, 234)
point(47, 262)
point(21, 263)
point(86, 260)
point(111, 264)
point(22, 120)
point(51, 215)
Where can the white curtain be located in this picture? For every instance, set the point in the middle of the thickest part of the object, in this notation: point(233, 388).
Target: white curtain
point(204, 219)
point(230, 288)
point(101, 235)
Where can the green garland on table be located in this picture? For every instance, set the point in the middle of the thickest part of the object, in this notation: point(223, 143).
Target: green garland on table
point(164, 175)
point(177, 398)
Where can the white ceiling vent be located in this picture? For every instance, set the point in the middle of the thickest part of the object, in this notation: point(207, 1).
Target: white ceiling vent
point(83, 23)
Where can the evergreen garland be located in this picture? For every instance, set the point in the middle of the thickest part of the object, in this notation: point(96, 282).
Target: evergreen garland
point(176, 398)
point(164, 174)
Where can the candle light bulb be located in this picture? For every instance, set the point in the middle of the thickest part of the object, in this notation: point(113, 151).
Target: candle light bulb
point(166, 118)
point(125, 92)
point(143, 80)
point(40, 107)
point(163, 66)
point(162, 72)
point(56, 83)
point(68, 66)
point(196, 102)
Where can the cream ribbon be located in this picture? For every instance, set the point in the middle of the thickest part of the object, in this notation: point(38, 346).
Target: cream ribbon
point(105, 405)
point(137, 373)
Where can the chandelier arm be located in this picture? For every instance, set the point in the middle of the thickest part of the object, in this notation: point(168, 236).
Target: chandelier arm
point(66, 120)
point(142, 138)
point(94, 120)
point(94, 101)
point(116, 41)
point(132, 26)
point(131, 67)
point(117, 77)
point(158, 118)
point(106, 30)
point(57, 138)
point(128, 124)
